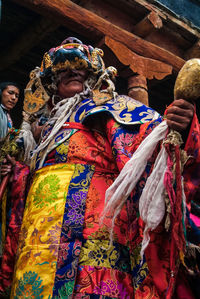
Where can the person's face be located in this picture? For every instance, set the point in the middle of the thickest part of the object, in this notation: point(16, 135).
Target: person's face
point(9, 97)
point(71, 83)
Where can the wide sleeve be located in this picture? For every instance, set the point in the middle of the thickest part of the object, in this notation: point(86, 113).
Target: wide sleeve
point(17, 201)
point(191, 175)
point(125, 139)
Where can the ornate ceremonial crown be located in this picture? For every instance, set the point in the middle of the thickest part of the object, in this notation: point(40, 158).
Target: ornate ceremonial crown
point(72, 54)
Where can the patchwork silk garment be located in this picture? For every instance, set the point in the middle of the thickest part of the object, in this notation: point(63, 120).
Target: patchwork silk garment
point(63, 250)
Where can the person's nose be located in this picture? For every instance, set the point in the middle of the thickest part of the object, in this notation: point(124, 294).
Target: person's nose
point(14, 97)
point(74, 73)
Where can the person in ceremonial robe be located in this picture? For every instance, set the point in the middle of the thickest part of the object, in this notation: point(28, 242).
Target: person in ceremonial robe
point(89, 135)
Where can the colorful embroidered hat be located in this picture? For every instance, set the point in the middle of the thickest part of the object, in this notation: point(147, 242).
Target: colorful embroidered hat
point(72, 54)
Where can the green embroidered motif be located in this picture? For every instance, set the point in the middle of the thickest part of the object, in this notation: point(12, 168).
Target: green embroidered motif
point(30, 286)
point(47, 191)
point(65, 290)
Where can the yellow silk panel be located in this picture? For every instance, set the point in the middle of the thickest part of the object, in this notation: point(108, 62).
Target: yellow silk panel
point(41, 228)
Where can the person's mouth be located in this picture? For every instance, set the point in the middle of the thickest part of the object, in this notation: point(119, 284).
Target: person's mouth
point(11, 103)
point(77, 79)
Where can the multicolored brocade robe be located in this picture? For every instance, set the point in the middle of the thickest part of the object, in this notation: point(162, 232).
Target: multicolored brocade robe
point(63, 253)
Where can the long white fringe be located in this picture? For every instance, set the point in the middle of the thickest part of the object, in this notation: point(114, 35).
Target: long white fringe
point(152, 199)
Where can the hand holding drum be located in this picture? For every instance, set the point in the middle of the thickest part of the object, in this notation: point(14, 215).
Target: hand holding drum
point(180, 113)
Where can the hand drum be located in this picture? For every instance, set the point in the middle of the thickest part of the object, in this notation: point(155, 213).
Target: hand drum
point(187, 85)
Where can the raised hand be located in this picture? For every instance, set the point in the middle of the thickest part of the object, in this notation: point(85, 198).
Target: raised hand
point(179, 115)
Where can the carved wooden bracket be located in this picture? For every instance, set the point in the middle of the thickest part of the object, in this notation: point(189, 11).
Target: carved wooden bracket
point(149, 68)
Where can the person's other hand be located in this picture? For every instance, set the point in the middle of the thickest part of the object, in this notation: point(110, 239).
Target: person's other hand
point(179, 115)
point(7, 165)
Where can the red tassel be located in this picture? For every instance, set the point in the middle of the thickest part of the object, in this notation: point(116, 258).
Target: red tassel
point(175, 195)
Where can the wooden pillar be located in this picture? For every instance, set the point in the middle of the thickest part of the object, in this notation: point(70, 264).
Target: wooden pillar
point(137, 89)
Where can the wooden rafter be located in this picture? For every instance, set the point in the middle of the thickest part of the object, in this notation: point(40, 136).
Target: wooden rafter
point(151, 22)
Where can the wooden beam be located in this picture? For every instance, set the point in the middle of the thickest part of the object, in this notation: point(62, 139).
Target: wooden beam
point(148, 24)
point(30, 38)
point(85, 22)
point(149, 68)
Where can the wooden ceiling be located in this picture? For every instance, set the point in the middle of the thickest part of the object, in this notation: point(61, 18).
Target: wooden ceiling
point(158, 41)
